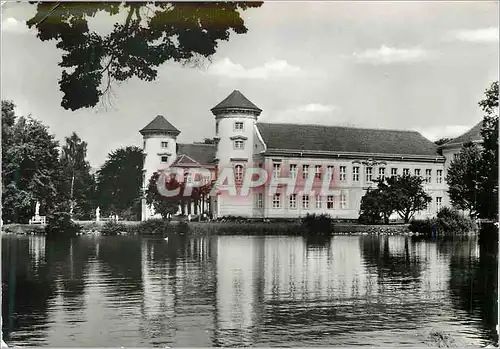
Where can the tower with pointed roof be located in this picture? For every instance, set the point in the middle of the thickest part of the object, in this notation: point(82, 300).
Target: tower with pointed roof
point(160, 151)
point(235, 120)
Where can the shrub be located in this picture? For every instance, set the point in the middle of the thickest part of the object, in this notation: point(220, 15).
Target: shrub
point(60, 225)
point(450, 221)
point(317, 224)
point(113, 228)
point(154, 227)
point(422, 226)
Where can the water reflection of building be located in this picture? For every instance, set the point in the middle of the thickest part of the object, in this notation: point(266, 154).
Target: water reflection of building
point(178, 291)
point(158, 294)
point(294, 271)
point(259, 280)
point(236, 259)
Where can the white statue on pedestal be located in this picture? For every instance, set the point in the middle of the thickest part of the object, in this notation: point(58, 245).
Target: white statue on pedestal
point(97, 214)
point(37, 209)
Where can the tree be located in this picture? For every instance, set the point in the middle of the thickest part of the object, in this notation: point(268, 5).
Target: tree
point(77, 178)
point(442, 141)
point(165, 206)
point(402, 194)
point(170, 205)
point(119, 183)
point(377, 204)
point(152, 33)
point(369, 208)
point(30, 166)
point(207, 141)
point(463, 178)
point(408, 195)
point(488, 186)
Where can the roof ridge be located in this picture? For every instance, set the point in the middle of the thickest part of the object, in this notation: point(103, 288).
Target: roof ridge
point(338, 126)
point(210, 145)
point(457, 138)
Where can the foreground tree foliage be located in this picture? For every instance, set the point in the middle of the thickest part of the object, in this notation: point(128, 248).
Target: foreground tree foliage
point(404, 195)
point(463, 179)
point(119, 183)
point(31, 171)
point(150, 34)
point(488, 186)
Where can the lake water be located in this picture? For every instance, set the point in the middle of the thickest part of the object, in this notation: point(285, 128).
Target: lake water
point(245, 291)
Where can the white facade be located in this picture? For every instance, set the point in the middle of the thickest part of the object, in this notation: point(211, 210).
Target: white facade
point(240, 145)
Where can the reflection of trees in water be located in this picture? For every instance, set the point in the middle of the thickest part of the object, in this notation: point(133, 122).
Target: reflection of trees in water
point(318, 241)
point(404, 265)
point(121, 258)
point(473, 285)
point(24, 294)
point(28, 285)
point(68, 260)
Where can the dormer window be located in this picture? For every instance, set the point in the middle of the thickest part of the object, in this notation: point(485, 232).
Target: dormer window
point(238, 125)
point(164, 144)
point(164, 158)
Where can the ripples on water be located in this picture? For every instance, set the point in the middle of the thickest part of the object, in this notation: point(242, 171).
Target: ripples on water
point(245, 291)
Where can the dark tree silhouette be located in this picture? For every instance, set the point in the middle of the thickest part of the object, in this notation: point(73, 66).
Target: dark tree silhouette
point(488, 201)
point(119, 183)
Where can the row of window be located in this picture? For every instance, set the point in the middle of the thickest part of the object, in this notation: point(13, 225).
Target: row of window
point(330, 202)
point(305, 201)
point(330, 173)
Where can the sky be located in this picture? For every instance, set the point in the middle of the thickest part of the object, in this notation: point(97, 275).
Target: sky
point(419, 66)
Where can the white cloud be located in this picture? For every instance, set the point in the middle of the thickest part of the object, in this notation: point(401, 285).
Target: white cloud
point(482, 35)
point(434, 133)
point(12, 25)
point(316, 108)
point(389, 55)
point(274, 68)
point(313, 113)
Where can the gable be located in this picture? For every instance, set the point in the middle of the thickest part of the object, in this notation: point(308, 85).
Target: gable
point(202, 154)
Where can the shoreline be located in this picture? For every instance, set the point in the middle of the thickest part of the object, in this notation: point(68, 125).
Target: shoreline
point(222, 228)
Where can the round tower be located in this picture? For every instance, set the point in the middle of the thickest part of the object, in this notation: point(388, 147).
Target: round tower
point(235, 119)
point(160, 151)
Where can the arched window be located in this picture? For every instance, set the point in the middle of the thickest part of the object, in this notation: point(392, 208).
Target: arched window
point(238, 173)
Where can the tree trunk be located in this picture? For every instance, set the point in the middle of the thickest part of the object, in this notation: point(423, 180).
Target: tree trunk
point(407, 218)
point(71, 194)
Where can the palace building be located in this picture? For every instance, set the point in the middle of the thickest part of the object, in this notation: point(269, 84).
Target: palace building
point(351, 158)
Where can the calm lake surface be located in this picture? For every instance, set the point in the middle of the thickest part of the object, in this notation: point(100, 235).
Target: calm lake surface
point(245, 291)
